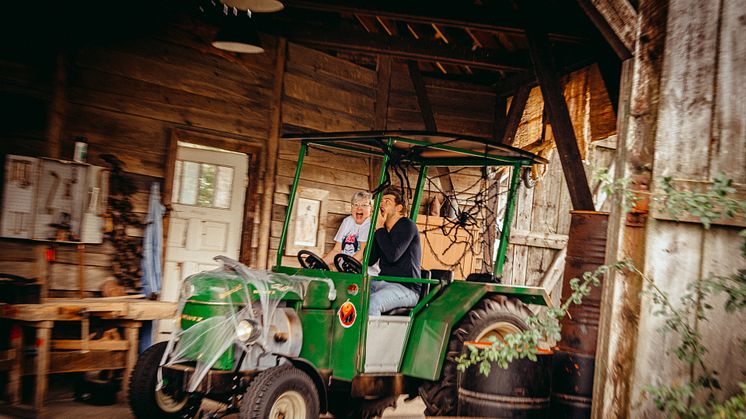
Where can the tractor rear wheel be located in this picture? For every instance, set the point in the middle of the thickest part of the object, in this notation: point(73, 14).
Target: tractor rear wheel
point(281, 392)
point(494, 316)
point(146, 401)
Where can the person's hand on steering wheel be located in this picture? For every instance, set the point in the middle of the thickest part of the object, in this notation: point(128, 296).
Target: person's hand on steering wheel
point(310, 260)
point(347, 263)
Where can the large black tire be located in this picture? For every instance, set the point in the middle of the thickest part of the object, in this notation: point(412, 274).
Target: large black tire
point(497, 315)
point(281, 392)
point(146, 402)
point(349, 408)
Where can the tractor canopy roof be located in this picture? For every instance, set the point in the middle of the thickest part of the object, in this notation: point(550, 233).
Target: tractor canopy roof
point(423, 147)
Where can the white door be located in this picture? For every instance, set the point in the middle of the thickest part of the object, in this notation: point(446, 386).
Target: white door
point(207, 216)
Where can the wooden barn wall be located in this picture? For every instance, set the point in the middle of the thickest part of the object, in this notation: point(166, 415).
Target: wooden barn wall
point(542, 215)
point(322, 93)
point(126, 97)
point(701, 132)
point(457, 107)
point(26, 81)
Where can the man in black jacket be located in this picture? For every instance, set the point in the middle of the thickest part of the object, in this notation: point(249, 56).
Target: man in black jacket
point(396, 248)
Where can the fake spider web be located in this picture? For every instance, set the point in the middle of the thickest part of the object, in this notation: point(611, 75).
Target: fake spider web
point(470, 216)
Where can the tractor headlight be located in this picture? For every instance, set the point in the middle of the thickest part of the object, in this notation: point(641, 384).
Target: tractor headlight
point(187, 289)
point(247, 330)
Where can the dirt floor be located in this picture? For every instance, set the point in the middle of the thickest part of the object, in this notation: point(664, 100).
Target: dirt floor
point(67, 408)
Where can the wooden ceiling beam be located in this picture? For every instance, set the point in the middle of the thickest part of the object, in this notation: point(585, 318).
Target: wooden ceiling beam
point(559, 116)
point(428, 117)
point(617, 22)
point(397, 47)
point(463, 15)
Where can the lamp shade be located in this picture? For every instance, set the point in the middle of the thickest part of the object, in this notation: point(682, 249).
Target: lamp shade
point(238, 37)
point(255, 6)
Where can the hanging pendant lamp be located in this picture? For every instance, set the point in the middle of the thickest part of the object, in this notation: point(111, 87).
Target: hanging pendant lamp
point(255, 6)
point(238, 36)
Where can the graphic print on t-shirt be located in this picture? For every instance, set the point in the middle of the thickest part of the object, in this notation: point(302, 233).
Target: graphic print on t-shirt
point(350, 244)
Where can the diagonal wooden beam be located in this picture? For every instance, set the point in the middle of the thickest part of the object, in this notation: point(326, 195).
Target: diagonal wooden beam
point(559, 116)
point(428, 118)
point(398, 47)
point(465, 15)
point(380, 120)
point(617, 22)
point(517, 106)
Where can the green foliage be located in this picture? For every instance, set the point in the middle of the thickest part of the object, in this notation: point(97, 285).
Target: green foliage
point(682, 319)
point(707, 206)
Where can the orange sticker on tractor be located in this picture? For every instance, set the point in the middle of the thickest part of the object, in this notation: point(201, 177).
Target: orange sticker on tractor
point(347, 314)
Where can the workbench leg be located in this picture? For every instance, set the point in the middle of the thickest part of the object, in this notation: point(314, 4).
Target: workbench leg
point(43, 338)
point(131, 332)
point(14, 375)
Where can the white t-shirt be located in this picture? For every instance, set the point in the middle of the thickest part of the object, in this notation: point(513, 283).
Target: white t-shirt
point(351, 235)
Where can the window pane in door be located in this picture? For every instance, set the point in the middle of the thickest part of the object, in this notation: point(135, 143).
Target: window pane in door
point(206, 185)
point(189, 177)
point(223, 187)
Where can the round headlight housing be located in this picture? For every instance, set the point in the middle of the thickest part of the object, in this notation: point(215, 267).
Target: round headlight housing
point(187, 289)
point(247, 331)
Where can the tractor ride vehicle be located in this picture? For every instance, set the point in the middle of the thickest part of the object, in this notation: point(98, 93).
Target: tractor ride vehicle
point(298, 342)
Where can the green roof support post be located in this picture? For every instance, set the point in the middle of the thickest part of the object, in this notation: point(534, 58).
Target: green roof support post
point(376, 206)
point(291, 201)
point(415, 210)
point(515, 177)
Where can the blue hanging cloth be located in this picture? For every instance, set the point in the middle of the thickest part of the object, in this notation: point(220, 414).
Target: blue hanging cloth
point(152, 251)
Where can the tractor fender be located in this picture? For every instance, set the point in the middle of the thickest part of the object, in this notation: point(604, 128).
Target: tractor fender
point(318, 380)
point(431, 327)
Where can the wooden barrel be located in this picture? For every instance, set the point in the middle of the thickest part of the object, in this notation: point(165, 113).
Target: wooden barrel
point(572, 385)
point(522, 391)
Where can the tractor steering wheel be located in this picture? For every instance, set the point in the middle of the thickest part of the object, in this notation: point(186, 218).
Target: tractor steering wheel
point(347, 263)
point(311, 261)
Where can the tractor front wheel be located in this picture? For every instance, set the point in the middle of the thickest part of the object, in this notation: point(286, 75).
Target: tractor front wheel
point(281, 392)
point(146, 401)
point(495, 316)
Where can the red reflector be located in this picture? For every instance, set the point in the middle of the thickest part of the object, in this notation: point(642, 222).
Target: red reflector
point(50, 255)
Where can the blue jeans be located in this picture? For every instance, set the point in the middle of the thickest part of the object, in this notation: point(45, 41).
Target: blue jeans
point(385, 296)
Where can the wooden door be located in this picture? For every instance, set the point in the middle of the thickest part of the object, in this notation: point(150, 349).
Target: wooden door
point(206, 220)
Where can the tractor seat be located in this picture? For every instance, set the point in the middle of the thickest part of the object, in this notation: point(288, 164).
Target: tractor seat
point(405, 311)
point(486, 277)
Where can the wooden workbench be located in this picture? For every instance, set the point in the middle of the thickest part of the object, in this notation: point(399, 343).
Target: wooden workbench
point(37, 354)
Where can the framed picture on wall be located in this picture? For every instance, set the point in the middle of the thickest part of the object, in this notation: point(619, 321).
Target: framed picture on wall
point(307, 229)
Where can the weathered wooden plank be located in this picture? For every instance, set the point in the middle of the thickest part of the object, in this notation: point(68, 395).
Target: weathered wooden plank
point(152, 70)
point(687, 84)
point(538, 239)
point(317, 118)
point(93, 345)
point(300, 57)
point(324, 174)
point(619, 326)
point(71, 309)
point(316, 93)
point(727, 145)
point(78, 361)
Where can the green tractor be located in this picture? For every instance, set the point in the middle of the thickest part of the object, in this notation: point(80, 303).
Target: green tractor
point(298, 342)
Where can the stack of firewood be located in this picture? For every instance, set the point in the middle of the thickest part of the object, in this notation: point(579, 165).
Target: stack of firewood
point(120, 217)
